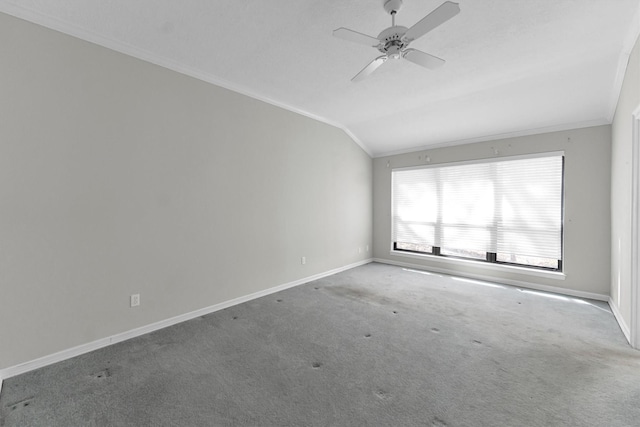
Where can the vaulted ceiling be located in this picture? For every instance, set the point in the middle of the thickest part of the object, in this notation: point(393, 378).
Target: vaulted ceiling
point(512, 66)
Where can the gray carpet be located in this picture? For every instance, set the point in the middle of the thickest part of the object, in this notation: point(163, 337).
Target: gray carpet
point(373, 346)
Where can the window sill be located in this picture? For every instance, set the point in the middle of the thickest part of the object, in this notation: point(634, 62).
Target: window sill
point(556, 275)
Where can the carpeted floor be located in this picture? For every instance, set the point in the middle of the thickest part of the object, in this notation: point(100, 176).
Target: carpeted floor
point(373, 346)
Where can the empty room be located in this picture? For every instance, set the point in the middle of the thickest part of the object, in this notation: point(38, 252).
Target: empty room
point(320, 213)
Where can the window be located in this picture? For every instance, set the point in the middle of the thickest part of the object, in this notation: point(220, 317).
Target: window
point(506, 211)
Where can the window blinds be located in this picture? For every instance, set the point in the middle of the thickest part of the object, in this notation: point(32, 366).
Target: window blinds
point(510, 206)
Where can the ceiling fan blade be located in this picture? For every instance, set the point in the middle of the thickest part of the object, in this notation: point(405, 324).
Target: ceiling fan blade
point(423, 59)
point(356, 37)
point(366, 71)
point(439, 16)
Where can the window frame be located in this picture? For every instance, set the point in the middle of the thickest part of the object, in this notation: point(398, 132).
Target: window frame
point(490, 257)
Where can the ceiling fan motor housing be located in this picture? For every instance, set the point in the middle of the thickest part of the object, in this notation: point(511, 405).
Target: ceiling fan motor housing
point(391, 41)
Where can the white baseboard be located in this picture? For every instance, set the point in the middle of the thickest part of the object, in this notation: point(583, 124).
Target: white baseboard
point(517, 283)
point(623, 326)
point(123, 336)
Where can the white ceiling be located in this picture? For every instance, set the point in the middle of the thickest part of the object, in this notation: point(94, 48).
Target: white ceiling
point(513, 66)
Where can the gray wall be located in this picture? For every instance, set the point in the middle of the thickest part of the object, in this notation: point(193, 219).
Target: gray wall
point(621, 180)
point(121, 177)
point(587, 215)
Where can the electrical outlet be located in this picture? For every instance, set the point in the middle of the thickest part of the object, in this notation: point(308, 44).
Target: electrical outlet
point(303, 260)
point(367, 248)
point(135, 300)
point(359, 250)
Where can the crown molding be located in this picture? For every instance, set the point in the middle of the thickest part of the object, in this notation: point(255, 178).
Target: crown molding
point(527, 132)
point(141, 54)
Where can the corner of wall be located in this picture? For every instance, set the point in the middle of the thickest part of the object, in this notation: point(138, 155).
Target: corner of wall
point(623, 62)
point(624, 193)
point(621, 322)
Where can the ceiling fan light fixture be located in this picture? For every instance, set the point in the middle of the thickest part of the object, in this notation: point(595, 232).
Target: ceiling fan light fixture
point(394, 52)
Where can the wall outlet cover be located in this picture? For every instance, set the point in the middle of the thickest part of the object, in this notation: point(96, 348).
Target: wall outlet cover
point(135, 300)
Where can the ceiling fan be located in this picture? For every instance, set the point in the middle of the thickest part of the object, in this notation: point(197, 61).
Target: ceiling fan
point(394, 41)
